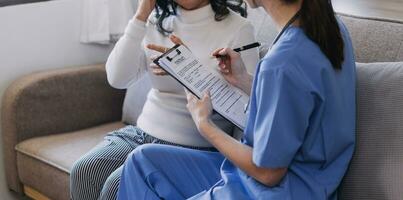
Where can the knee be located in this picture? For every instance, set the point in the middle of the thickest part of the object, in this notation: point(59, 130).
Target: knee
point(111, 186)
point(79, 180)
point(142, 152)
point(112, 182)
point(82, 169)
point(77, 168)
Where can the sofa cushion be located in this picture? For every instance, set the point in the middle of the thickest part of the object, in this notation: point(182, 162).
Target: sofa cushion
point(47, 161)
point(44, 178)
point(375, 40)
point(62, 150)
point(376, 170)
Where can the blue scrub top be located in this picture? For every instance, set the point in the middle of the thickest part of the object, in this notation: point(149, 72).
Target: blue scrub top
point(301, 117)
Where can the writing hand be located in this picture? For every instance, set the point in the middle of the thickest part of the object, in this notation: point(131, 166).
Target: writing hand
point(233, 69)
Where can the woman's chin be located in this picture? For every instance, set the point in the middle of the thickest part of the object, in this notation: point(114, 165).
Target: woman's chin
point(189, 7)
point(252, 4)
point(191, 4)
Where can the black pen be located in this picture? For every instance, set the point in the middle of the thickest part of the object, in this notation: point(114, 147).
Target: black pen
point(243, 48)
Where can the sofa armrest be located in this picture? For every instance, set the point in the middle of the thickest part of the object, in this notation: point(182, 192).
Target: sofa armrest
point(52, 102)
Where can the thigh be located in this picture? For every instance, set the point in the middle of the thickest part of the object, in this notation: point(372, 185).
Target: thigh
point(176, 172)
point(112, 151)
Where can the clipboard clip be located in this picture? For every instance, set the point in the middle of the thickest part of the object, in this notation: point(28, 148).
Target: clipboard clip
point(178, 52)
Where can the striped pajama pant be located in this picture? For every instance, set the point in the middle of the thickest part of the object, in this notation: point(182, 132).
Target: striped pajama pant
point(97, 174)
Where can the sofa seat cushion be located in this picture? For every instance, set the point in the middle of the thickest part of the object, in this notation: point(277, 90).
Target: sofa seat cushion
point(62, 150)
point(44, 163)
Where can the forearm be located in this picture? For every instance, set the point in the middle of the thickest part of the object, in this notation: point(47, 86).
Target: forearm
point(127, 61)
point(245, 83)
point(238, 153)
point(140, 16)
point(241, 155)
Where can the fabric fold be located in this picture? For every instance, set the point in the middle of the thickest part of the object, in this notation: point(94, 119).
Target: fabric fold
point(104, 21)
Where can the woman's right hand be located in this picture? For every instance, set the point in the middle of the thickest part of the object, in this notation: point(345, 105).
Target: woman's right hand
point(233, 69)
point(161, 49)
point(144, 9)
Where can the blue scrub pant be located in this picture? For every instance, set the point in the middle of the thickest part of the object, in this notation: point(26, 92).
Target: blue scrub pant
point(154, 171)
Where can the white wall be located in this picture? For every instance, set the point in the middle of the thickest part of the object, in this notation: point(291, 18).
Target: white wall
point(41, 36)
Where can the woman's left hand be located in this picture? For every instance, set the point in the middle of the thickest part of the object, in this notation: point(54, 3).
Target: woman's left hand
point(201, 110)
point(161, 49)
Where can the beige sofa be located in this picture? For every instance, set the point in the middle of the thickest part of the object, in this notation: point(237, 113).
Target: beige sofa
point(51, 118)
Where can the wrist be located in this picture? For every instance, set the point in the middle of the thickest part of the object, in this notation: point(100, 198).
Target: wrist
point(205, 126)
point(210, 132)
point(244, 81)
point(141, 16)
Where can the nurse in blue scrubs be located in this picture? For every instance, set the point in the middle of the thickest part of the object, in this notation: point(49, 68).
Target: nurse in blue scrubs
point(299, 137)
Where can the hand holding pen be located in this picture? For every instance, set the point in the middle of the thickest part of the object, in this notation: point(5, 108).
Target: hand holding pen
point(232, 67)
point(243, 48)
point(224, 59)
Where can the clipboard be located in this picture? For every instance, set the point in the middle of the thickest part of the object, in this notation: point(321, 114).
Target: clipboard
point(173, 54)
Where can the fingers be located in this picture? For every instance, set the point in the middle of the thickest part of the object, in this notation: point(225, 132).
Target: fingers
point(224, 65)
point(189, 95)
point(155, 69)
point(190, 98)
point(224, 56)
point(175, 39)
point(158, 70)
point(220, 54)
point(225, 52)
point(206, 96)
point(153, 57)
point(157, 48)
point(216, 52)
point(224, 69)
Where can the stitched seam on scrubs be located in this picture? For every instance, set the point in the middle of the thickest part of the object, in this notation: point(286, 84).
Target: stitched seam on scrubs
point(148, 182)
point(150, 173)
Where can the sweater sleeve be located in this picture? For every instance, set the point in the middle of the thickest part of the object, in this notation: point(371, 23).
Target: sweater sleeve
point(127, 62)
point(246, 35)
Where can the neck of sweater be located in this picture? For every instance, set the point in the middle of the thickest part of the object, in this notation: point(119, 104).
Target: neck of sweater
point(204, 13)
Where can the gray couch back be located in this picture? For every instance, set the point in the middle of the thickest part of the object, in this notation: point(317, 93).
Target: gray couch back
point(376, 171)
point(374, 40)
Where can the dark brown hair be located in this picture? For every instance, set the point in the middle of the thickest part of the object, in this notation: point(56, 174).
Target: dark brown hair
point(166, 8)
point(318, 20)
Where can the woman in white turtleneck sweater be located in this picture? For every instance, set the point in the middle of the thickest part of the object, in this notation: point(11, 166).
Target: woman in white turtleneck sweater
point(203, 26)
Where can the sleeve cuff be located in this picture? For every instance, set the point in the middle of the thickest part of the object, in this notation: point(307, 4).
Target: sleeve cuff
point(270, 162)
point(136, 29)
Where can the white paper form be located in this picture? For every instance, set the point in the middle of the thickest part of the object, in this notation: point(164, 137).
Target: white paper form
point(227, 100)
